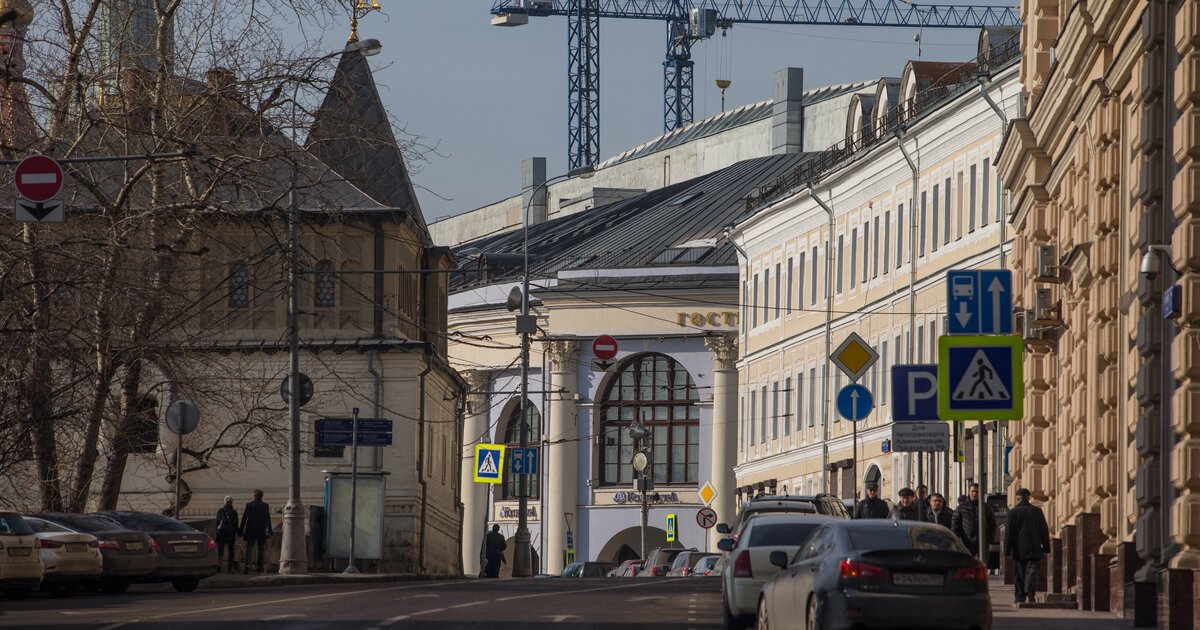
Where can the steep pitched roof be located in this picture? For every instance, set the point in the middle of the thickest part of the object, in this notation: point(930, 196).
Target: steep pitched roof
point(351, 133)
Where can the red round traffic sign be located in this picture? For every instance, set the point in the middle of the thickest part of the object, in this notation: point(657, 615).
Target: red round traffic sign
point(706, 517)
point(604, 347)
point(39, 178)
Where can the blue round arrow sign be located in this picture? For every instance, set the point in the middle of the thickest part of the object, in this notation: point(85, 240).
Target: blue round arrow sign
point(854, 402)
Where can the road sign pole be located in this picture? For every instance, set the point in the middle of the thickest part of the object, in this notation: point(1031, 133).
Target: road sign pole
point(983, 542)
point(854, 449)
point(350, 568)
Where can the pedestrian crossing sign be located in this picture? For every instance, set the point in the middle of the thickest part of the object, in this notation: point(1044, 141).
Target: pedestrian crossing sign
point(489, 463)
point(982, 377)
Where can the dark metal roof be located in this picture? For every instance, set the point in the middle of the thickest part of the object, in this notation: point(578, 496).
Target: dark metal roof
point(643, 231)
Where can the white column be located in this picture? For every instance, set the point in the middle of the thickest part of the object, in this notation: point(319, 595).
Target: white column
point(561, 429)
point(474, 495)
point(724, 428)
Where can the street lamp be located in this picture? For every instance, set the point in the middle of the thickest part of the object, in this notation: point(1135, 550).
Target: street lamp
point(526, 326)
point(812, 193)
point(293, 559)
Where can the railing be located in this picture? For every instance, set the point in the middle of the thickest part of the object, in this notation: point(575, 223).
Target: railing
point(950, 85)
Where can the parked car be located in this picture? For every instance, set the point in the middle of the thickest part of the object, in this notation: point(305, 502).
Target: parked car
point(126, 554)
point(748, 565)
point(71, 558)
point(185, 554)
point(709, 565)
point(826, 504)
point(588, 569)
point(21, 566)
point(629, 568)
point(685, 562)
point(658, 562)
point(877, 573)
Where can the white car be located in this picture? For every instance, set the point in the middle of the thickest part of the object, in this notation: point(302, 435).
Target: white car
point(70, 558)
point(748, 563)
point(20, 564)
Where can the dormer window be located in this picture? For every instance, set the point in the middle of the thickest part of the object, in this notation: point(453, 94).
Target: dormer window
point(325, 283)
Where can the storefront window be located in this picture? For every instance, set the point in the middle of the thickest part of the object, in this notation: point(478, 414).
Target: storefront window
point(512, 439)
point(660, 393)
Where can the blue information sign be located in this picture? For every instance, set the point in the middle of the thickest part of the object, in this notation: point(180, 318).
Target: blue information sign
point(855, 402)
point(523, 461)
point(365, 425)
point(339, 438)
point(914, 392)
point(980, 302)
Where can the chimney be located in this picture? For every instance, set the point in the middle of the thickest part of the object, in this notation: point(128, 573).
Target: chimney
point(787, 115)
point(533, 175)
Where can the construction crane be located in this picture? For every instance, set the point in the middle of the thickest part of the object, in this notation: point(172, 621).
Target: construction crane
point(690, 21)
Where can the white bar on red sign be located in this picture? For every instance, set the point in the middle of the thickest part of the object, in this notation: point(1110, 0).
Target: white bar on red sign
point(32, 179)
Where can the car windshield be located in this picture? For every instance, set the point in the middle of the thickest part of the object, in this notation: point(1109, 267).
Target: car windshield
point(14, 525)
point(780, 534)
point(667, 556)
point(89, 523)
point(143, 522)
point(913, 537)
point(45, 527)
point(696, 558)
point(707, 562)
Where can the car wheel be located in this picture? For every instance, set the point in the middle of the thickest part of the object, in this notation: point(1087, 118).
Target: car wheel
point(114, 587)
point(729, 620)
point(19, 594)
point(762, 614)
point(185, 586)
point(813, 618)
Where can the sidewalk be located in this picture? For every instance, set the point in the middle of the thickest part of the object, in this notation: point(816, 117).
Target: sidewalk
point(239, 580)
point(1006, 616)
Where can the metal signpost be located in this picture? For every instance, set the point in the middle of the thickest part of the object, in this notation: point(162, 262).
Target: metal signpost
point(182, 418)
point(353, 432)
point(854, 357)
point(914, 398)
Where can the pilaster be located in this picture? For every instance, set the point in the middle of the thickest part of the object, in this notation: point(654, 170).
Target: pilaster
point(724, 426)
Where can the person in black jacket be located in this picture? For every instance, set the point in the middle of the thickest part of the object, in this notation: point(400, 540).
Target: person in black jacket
point(966, 522)
point(872, 506)
point(1026, 539)
point(256, 528)
point(227, 532)
point(939, 512)
point(907, 509)
point(494, 547)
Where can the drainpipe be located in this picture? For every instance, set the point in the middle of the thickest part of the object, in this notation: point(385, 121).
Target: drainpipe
point(421, 459)
point(828, 346)
point(376, 456)
point(912, 256)
point(377, 379)
point(459, 425)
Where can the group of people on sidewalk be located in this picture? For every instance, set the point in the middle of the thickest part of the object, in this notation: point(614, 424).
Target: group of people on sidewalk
point(255, 528)
point(1026, 536)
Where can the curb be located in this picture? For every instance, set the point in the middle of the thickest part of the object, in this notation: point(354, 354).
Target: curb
point(219, 581)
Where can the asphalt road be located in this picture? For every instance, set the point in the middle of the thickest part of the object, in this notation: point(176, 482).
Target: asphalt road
point(679, 603)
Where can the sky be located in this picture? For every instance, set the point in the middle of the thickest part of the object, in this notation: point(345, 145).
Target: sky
point(488, 97)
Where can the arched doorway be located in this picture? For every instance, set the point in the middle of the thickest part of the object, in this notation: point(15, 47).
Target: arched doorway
point(626, 544)
point(873, 475)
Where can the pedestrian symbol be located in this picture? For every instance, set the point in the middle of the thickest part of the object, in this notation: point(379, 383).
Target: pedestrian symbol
point(981, 382)
point(489, 463)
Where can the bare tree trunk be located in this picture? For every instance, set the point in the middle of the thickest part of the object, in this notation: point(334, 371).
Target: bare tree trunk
point(38, 385)
point(125, 429)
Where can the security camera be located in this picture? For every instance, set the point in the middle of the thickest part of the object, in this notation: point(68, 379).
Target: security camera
point(1151, 265)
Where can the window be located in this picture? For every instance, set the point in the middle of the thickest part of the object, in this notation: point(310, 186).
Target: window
point(984, 218)
point(812, 299)
point(921, 252)
point(766, 295)
point(762, 426)
point(239, 286)
point(324, 284)
point(812, 398)
point(144, 437)
point(933, 353)
point(887, 238)
point(533, 435)
point(896, 349)
point(789, 286)
point(841, 248)
point(837, 387)
point(853, 256)
point(745, 302)
point(899, 235)
point(778, 281)
point(921, 344)
point(800, 280)
point(787, 406)
point(1000, 211)
point(753, 416)
point(775, 410)
point(886, 375)
point(960, 202)
point(875, 253)
point(742, 425)
point(958, 211)
point(866, 242)
point(754, 304)
point(659, 392)
point(933, 242)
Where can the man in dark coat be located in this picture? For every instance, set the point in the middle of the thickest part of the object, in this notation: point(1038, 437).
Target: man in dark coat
point(872, 506)
point(906, 509)
point(923, 501)
point(494, 547)
point(966, 522)
point(256, 528)
point(227, 533)
point(1027, 539)
point(939, 512)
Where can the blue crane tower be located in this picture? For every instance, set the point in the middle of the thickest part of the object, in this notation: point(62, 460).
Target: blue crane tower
point(690, 21)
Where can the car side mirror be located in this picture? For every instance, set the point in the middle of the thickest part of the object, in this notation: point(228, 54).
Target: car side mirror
point(725, 544)
point(779, 559)
point(722, 528)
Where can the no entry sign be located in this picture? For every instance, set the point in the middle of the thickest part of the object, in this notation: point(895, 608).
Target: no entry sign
point(39, 178)
point(604, 347)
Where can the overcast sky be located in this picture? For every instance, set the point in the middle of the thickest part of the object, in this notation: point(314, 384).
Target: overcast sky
point(489, 97)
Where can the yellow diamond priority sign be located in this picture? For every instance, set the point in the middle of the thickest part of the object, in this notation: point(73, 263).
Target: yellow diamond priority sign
point(854, 357)
point(708, 493)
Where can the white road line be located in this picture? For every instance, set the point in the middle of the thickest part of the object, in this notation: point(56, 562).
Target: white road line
point(469, 604)
point(284, 616)
point(115, 625)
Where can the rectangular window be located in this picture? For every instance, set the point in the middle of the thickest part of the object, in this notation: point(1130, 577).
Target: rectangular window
point(986, 183)
point(753, 416)
point(933, 353)
point(789, 286)
point(1000, 210)
point(841, 249)
point(754, 304)
point(762, 426)
point(875, 253)
point(853, 256)
point(899, 235)
point(887, 374)
point(961, 200)
point(896, 358)
point(746, 306)
point(799, 420)
point(812, 398)
point(778, 293)
point(887, 241)
point(866, 253)
point(837, 387)
point(787, 406)
point(800, 282)
point(239, 286)
point(924, 226)
point(934, 241)
point(971, 210)
point(775, 410)
point(946, 234)
point(824, 385)
point(972, 199)
point(812, 299)
point(920, 344)
point(766, 295)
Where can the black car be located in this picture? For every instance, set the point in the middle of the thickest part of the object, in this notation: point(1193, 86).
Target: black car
point(877, 574)
point(128, 554)
point(185, 554)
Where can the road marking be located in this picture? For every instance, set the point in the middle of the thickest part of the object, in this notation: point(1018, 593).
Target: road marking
point(284, 616)
point(427, 595)
point(469, 604)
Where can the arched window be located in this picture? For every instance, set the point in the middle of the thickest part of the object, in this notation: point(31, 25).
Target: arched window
point(658, 391)
point(512, 439)
point(325, 284)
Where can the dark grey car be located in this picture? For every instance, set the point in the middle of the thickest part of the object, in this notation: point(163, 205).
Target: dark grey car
point(185, 554)
point(877, 574)
point(128, 554)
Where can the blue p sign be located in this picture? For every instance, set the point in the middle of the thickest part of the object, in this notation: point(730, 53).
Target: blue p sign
point(914, 392)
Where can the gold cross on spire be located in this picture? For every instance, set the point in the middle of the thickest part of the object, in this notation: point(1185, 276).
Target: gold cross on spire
point(359, 9)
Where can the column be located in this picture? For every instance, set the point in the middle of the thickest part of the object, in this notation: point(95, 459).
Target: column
point(561, 430)
point(474, 495)
point(724, 428)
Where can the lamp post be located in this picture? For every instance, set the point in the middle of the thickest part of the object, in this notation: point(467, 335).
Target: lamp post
point(829, 353)
point(527, 325)
point(293, 559)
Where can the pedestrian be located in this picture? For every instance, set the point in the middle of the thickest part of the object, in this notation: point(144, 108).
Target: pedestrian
point(256, 529)
point(967, 523)
point(906, 509)
point(227, 533)
point(923, 501)
point(939, 512)
point(872, 506)
point(494, 550)
point(1027, 539)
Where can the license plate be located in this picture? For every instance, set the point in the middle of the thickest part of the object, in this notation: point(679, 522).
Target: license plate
point(76, 547)
point(134, 546)
point(19, 551)
point(188, 548)
point(918, 579)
